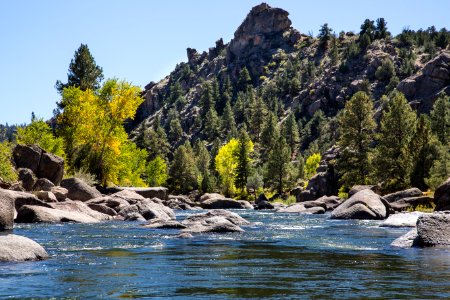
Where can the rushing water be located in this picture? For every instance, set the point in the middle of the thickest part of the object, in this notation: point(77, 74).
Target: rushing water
point(279, 256)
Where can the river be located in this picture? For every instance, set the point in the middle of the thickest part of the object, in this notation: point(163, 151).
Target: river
point(279, 256)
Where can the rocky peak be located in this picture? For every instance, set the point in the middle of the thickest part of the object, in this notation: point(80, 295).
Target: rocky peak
point(262, 29)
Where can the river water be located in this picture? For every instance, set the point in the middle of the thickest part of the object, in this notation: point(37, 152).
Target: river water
point(279, 256)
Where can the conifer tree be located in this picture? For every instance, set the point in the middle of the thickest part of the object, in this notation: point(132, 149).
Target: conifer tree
point(245, 81)
point(242, 153)
point(325, 35)
point(212, 124)
point(183, 171)
point(440, 119)
point(278, 164)
point(270, 132)
point(381, 29)
point(291, 132)
point(83, 72)
point(207, 97)
point(440, 169)
point(425, 151)
point(228, 124)
point(258, 115)
point(357, 128)
point(393, 157)
point(175, 131)
point(239, 108)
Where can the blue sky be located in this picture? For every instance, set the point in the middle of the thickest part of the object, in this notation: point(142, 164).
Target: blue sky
point(141, 41)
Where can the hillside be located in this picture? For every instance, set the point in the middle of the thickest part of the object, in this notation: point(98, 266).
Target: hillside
point(312, 77)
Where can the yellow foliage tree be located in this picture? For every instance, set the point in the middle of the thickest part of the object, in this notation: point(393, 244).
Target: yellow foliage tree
point(92, 125)
point(226, 164)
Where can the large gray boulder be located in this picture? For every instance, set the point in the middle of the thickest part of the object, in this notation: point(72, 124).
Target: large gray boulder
point(217, 220)
point(18, 248)
point(51, 167)
point(433, 230)
point(70, 211)
point(412, 192)
point(442, 196)
point(358, 188)
point(43, 184)
point(363, 205)
point(225, 203)
point(149, 192)
point(6, 210)
point(151, 209)
point(27, 157)
point(79, 190)
point(411, 203)
point(301, 208)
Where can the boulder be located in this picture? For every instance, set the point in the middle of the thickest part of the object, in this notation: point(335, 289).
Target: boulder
point(60, 193)
point(402, 220)
point(18, 248)
point(412, 192)
point(150, 209)
point(301, 209)
point(406, 240)
point(263, 205)
point(43, 184)
point(27, 157)
point(46, 196)
point(164, 224)
point(364, 204)
point(150, 192)
point(330, 202)
point(213, 224)
point(131, 213)
point(224, 203)
point(39, 214)
point(27, 178)
point(261, 198)
point(442, 196)
point(433, 230)
point(209, 196)
point(231, 216)
point(51, 167)
point(102, 209)
point(357, 188)
point(22, 198)
point(129, 196)
point(79, 190)
point(245, 204)
point(6, 210)
point(412, 203)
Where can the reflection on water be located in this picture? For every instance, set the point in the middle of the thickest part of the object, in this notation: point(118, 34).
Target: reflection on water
point(279, 256)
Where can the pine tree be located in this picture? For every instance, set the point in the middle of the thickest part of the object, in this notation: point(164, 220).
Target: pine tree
point(212, 124)
point(203, 157)
point(83, 72)
point(425, 152)
point(245, 81)
point(325, 35)
point(207, 97)
point(259, 113)
point(239, 108)
point(440, 119)
point(368, 28)
point(242, 154)
point(291, 132)
point(155, 142)
point(381, 29)
point(393, 157)
point(228, 124)
point(183, 171)
point(440, 170)
point(278, 164)
point(357, 128)
point(175, 131)
point(270, 133)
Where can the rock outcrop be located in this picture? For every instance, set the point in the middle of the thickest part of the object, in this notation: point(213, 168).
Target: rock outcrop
point(18, 248)
point(6, 210)
point(362, 205)
point(41, 163)
point(423, 88)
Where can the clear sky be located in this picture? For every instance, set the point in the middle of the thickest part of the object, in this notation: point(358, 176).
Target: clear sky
point(141, 41)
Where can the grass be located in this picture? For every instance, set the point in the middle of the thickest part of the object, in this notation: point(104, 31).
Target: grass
point(290, 200)
point(422, 208)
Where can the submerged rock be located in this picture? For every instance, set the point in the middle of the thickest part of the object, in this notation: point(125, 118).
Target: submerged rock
point(164, 224)
point(362, 205)
point(18, 248)
point(217, 220)
point(406, 240)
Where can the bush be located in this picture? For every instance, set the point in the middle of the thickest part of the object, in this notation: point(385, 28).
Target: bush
point(385, 71)
point(312, 163)
point(7, 172)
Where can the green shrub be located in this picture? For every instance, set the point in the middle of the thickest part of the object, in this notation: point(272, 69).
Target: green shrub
point(7, 172)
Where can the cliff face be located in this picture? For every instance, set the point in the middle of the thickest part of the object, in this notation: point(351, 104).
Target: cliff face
point(297, 71)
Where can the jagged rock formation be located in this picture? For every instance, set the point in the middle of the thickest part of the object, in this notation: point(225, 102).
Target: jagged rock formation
point(423, 88)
